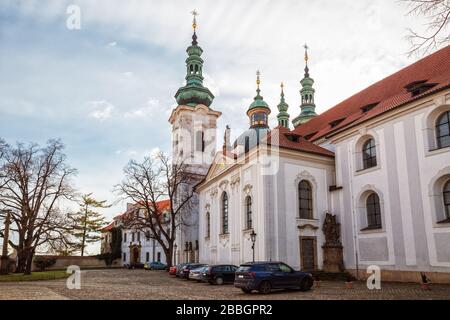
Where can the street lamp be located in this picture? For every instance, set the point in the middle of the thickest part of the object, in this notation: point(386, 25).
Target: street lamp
point(253, 238)
point(4, 259)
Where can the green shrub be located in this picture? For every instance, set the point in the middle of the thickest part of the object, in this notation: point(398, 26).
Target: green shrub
point(43, 263)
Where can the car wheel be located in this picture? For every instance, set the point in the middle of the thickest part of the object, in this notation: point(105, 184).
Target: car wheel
point(219, 281)
point(306, 284)
point(265, 287)
point(247, 291)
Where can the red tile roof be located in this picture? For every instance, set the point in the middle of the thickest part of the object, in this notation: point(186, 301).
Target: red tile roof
point(387, 94)
point(283, 138)
point(108, 227)
point(162, 206)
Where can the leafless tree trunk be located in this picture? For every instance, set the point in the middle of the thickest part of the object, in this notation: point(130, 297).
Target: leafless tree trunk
point(153, 180)
point(33, 180)
point(437, 12)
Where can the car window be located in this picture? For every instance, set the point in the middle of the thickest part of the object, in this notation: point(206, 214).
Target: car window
point(226, 268)
point(234, 268)
point(272, 267)
point(285, 268)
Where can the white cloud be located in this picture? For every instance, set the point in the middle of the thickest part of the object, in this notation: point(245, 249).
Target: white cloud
point(112, 44)
point(103, 110)
point(148, 110)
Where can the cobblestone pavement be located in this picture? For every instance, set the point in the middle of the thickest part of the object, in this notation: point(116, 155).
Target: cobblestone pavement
point(142, 284)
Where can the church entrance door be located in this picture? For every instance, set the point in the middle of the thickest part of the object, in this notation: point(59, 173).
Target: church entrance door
point(308, 255)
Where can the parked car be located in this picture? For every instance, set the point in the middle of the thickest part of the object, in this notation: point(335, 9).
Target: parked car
point(220, 274)
point(173, 270)
point(198, 274)
point(134, 265)
point(187, 268)
point(155, 265)
point(265, 276)
point(179, 269)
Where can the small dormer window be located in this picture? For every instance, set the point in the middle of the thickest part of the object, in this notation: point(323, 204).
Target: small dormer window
point(292, 137)
point(418, 87)
point(369, 107)
point(334, 123)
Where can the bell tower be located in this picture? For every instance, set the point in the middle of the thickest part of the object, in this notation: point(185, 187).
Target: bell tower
point(307, 95)
point(194, 125)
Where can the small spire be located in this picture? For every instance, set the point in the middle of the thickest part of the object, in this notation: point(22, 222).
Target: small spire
point(282, 92)
point(283, 116)
point(258, 82)
point(194, 26)
point(306, 60)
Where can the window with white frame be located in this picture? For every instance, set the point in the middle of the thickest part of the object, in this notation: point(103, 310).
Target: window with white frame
point(443, 130)
point(248, 212)
point(224, 213)
point(305, 200)
point(446, 196)
point(373, 211)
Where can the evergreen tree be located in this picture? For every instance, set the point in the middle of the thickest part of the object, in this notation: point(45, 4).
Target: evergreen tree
point(88, 222)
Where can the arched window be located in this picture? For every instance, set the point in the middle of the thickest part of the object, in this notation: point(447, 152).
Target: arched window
point(248, 212)
point(208, 225)
point(443, 130)
point(373, 211)
point(446, 194)
point(305, 200)
point(224, 213)
point(369, 154)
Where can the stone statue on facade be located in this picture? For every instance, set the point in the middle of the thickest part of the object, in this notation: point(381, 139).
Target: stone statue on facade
point(332, 230)
point(332, 249)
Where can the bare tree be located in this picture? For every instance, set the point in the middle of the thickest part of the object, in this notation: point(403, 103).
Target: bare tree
point(33, 181)
point(147, 183)
point(437, 12)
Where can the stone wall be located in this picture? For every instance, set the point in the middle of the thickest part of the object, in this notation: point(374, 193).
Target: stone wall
point(88, 262)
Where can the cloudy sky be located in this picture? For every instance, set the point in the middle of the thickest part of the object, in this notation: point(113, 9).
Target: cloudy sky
point(107, 89)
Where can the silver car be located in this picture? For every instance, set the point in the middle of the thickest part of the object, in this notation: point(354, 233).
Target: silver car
point(197, 274)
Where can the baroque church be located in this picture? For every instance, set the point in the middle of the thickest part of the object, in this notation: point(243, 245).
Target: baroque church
point(366, 182)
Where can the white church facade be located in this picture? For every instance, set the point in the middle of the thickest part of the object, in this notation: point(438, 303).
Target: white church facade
point(378, 163)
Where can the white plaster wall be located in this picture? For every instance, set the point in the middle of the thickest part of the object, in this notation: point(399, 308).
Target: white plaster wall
point(403, 178)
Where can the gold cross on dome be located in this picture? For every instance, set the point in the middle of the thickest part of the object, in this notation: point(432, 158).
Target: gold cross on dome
point(258, 73)
point(194, 21)
point(306, 51)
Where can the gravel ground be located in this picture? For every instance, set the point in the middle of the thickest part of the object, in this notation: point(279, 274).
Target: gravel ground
point(142, 284)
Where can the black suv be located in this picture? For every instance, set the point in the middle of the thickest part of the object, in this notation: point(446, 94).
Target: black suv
point(265, 276)
point(220, 274)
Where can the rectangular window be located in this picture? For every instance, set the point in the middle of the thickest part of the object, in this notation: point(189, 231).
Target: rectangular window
point(132, 237)
point(139, 236)
point(124, 256)
point(159, 257)
point(147, 256)
point(125, 237)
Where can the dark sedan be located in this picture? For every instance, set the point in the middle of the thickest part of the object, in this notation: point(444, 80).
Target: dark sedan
point(134, 265)
point(265, 276)
point(220, 274)
point(184, 273)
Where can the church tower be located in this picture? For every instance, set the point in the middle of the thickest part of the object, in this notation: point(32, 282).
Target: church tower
point(193, 143)
point(283, 116)
point(307, 94)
